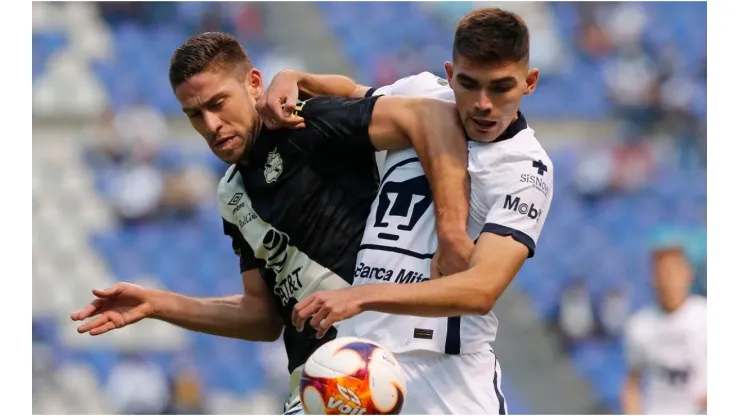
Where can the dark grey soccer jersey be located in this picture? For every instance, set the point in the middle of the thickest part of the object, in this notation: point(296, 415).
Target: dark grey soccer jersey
point(297, 211)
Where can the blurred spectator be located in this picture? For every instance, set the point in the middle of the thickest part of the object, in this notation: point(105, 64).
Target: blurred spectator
point(248, 22)
point(676, 99)
point(633, 84)
point(621, 168)
point(138, 387)
point(633, 165)
point(694, 243)
point(118, 12)
point(575, 315)
point(137, 192)
point(666, 343)
point(145, 177)
point(593, 176)
point(624, 22)
point(594, 42)
point(108, 146)
point(216, 19)
point(614, 310)
point(187, 393)
point(187, 189)
point(143, 123)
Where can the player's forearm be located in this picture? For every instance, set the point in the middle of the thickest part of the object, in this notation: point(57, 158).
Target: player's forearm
point(237, 316)
point(455, 295)
point(631, 398)
point(313, 85)
point(442, 149)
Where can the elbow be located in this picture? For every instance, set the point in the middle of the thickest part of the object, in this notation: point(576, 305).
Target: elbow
point(273, 330)
point(482, 303)
point(269, 333)
point(272, 336)
point(478, 294)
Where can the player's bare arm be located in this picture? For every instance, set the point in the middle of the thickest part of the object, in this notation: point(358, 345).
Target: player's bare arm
point(432, 126)
point(495, 261)
point(278, 102)
point(250, 316)
point(631, 393)
point(313, 85)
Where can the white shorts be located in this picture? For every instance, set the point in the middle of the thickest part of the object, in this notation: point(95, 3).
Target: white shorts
point(467, 384)
point(453, 384)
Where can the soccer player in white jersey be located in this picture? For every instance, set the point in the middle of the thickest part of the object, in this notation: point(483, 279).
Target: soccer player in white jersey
point(441, 330)
point(666, 344)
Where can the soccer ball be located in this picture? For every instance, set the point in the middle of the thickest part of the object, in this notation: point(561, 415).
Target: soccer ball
point(352, 376)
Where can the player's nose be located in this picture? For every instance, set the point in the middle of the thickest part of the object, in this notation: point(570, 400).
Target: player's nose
point(482, 102)
point(212, 121)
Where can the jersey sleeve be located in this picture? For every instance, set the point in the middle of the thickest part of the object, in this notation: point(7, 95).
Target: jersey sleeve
point(341, 123)
point(424, 84)
point(520, 200)
point(247, 260)
point(634, 353)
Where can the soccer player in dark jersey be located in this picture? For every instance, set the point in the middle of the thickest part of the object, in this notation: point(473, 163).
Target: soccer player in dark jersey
point(294, 202)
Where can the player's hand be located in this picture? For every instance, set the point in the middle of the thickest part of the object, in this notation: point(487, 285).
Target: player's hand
point(278, 102)
point(326, 308)
point(452, 256)
point(115, 307)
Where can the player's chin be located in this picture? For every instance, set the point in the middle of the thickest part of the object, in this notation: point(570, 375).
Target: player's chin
point(230, 154)
point(480, 134)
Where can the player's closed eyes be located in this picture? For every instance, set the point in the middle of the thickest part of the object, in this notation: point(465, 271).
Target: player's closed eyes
point(216, 105)
point(501, 88)
point(468, 85)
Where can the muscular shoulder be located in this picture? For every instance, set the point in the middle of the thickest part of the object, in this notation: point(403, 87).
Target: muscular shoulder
point(424, 84)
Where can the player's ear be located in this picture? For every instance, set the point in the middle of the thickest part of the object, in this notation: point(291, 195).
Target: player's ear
point(533, 76)
point(449, 71)
point(254, 84)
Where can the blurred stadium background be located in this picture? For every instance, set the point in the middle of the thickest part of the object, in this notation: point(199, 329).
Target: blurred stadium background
point(124, 190)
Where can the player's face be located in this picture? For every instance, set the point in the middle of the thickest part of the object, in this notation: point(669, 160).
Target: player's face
point(488, 95)
point(672, 278)
point(221, 107)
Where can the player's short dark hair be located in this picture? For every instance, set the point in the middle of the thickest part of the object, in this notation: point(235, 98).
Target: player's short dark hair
point(491, 35)
point(210, 50)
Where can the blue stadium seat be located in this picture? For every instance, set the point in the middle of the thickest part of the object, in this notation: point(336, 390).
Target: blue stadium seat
point(44, 46)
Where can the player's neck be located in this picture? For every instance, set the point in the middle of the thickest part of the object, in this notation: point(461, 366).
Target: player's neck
point(251, 140)
point(670, 308)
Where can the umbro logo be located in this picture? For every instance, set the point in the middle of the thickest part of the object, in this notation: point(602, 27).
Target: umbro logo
point(236, 198)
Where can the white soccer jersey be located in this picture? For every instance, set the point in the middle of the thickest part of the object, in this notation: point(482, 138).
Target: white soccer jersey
point(671, 352)
point(511, 190)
